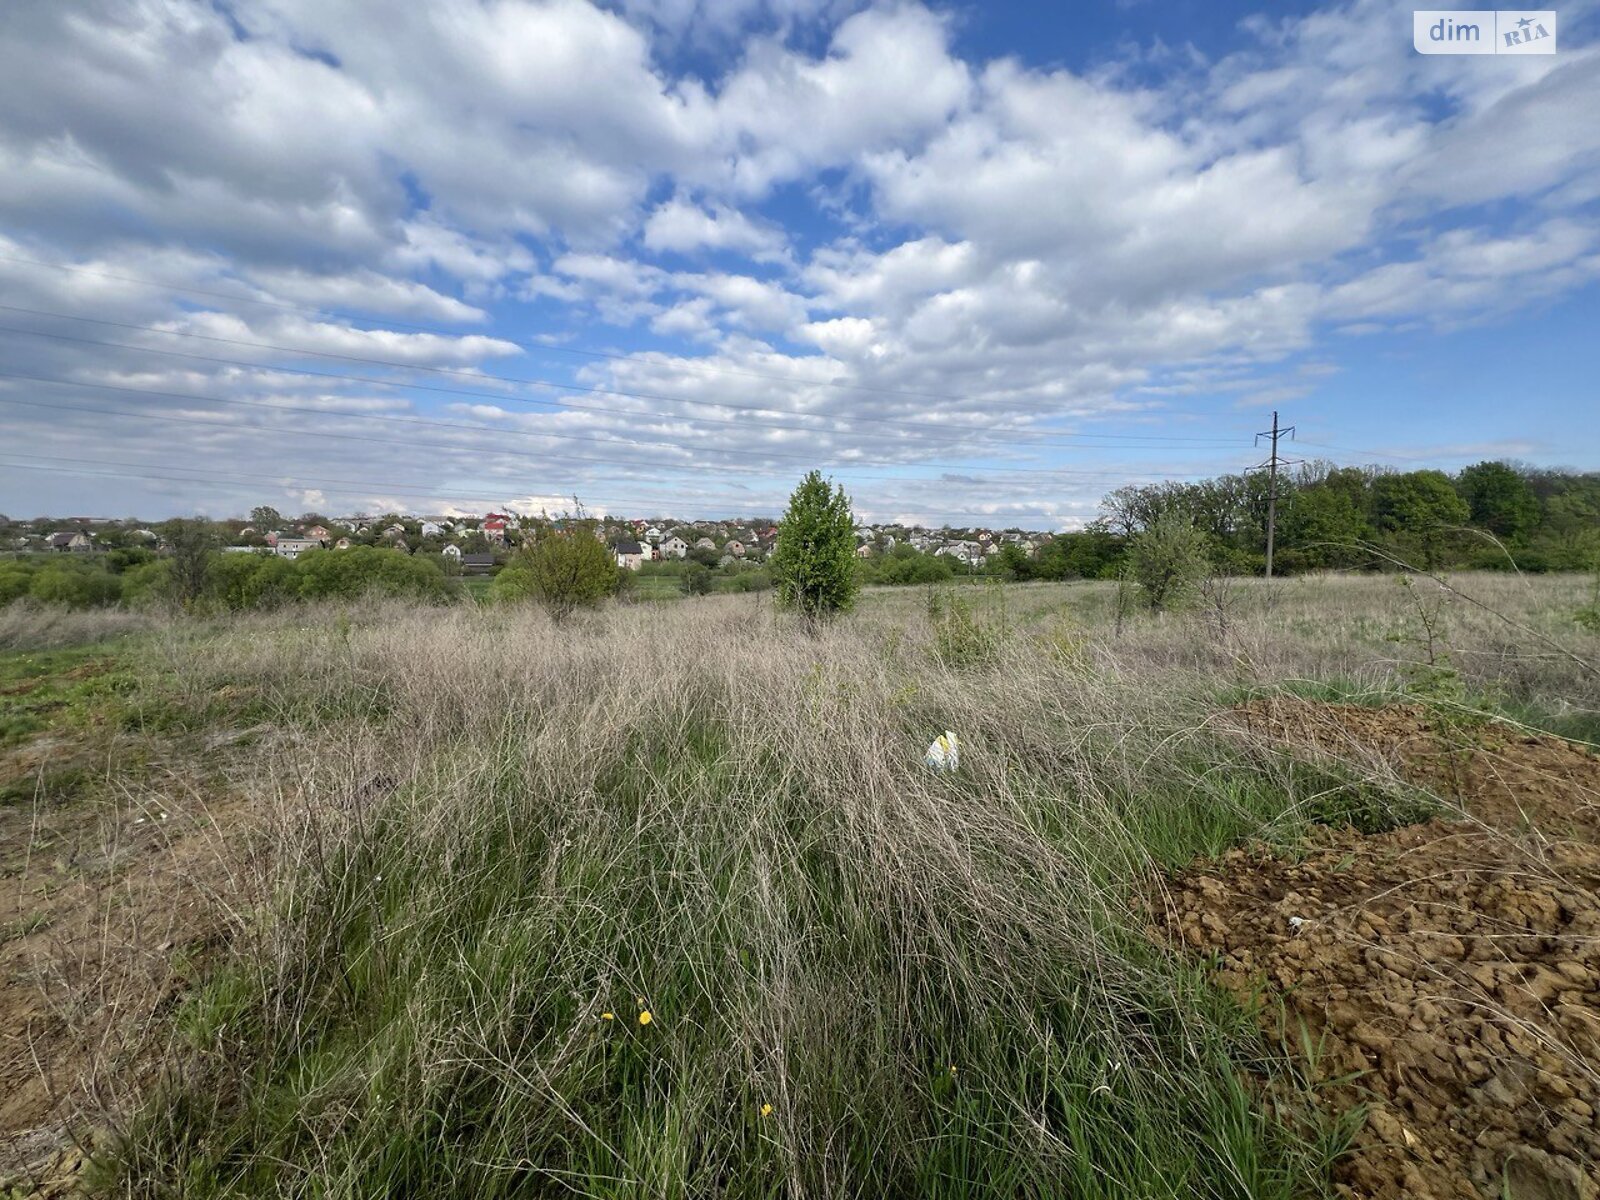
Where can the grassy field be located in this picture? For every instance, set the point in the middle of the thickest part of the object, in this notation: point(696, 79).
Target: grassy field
point(663, 902)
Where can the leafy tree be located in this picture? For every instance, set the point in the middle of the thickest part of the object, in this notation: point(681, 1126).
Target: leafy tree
point(814, 564)
point(265, 517)
point(190, 543)
point(1322, 526)
point(1167, 560)
point(1013, 563)
point(563, 569)
point(1418, 508)
point(1499, 499)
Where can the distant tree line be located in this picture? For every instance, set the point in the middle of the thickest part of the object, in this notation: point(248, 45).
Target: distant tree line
point(191, 573)
point(1492, 515)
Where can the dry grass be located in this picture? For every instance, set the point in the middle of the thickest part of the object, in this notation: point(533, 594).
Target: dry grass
point(26, 626)
point(493, 831)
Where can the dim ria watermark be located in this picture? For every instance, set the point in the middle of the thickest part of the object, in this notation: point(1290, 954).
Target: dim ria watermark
point(1483, 31)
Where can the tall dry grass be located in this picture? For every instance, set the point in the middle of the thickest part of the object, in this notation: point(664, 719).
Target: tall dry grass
point(502, 842)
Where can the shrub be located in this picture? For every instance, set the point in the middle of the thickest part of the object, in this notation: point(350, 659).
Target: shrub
point(75, 587)
point(367, 570)
point(961, 638)
point(814, 564)
point(696, 579)
point(564, 570)
point(1167, 560)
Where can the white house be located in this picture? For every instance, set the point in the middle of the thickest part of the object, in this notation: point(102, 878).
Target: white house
point(674, 547)
point(653, 535)
point(429, 529)
point(452, 551)
point(293, 547)
point(631, 555)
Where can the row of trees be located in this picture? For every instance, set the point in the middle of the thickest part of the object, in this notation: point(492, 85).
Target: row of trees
point(196, 576)
point(1488, 515)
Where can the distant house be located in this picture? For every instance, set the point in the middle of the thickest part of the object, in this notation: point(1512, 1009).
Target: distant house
point(631, 555)
point(452, 551)
point(477, 563)
point(652, 535)
point(674, 547)
point(319, 532)
point(704, 543)
point(735, 548)
point(494, 528)
point(429, 529)
point(293, 547)
point(864, 550)
point(395, 532)
point(342, 544)
point(73, 541)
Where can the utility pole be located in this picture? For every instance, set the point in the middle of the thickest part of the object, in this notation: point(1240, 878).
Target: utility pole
point(1271, 467)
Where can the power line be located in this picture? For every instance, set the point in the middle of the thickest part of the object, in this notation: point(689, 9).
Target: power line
point(501, 397)
point(1371, 453)
point(843, 464)
point(556, 384)
point(162, 477)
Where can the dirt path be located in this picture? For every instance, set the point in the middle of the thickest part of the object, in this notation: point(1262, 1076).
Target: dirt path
point(1447, 975)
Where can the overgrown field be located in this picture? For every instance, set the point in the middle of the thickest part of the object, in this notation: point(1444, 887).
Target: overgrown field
point(663, 902)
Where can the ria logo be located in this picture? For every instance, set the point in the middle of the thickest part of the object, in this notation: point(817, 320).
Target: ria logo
point(1484, 31)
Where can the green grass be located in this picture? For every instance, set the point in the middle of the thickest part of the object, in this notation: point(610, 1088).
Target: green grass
point(940, 984)
point(65, 689)
point(497, 830)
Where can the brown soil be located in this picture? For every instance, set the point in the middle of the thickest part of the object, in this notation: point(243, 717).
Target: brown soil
point(1446, 975)
point(109, 902)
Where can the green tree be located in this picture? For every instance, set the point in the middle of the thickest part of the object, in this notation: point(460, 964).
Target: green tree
point(814, 564)
point(191, 542)
point(1322, 526)
point(1418, 509)
point(1499, 499)
point(1168, 560)
point(265, 517)
point(1014, 563)
point(563, 569)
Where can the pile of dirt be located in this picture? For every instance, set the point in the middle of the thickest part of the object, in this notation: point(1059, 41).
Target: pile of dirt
point(1446, 975)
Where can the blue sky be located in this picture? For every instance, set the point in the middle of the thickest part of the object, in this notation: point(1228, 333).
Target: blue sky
point(982, 263)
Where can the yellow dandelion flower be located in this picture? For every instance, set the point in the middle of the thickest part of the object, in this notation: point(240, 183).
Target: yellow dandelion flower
point(952, 1068)
point(608, 1016)
point(645, 1018)
point(766, 1110)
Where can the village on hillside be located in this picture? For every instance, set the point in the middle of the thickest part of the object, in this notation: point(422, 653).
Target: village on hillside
point(478, 545)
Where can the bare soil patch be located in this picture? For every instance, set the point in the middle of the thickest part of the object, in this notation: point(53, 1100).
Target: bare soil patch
point(1445, 975)
point(109, 906)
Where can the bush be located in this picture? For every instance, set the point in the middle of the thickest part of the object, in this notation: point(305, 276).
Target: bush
point(696, 579)
point(1167, 560)
point(814, 564)
point(564, 570)
point(74, 586)
point(361, 571)
point(960, 637)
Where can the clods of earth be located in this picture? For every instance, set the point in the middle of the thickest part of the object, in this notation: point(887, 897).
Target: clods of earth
point(1445, 976)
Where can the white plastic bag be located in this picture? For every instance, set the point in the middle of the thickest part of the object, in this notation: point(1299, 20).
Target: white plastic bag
point(944, 754)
